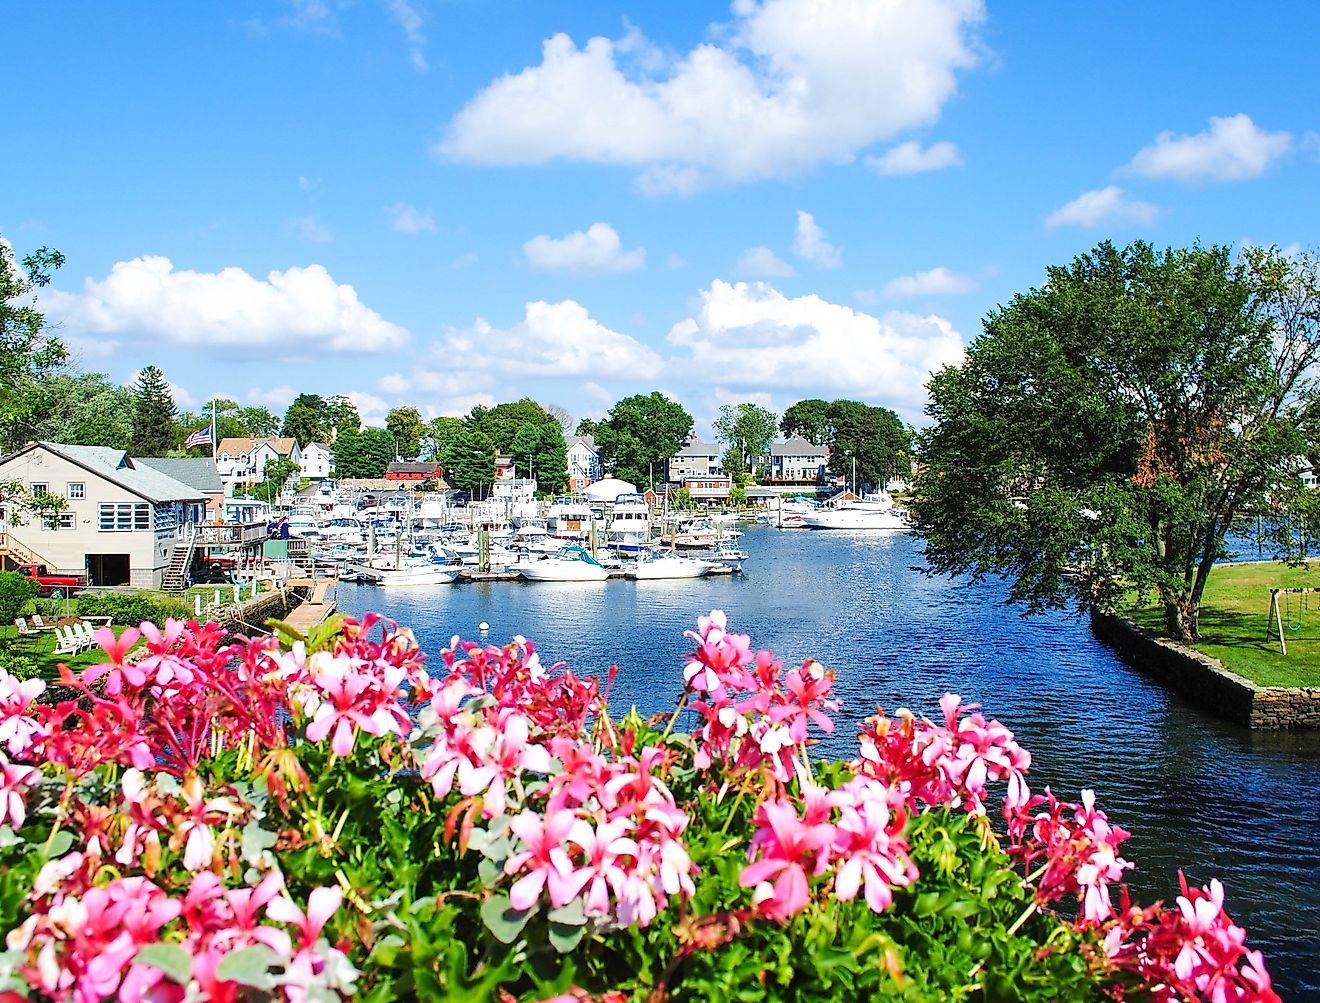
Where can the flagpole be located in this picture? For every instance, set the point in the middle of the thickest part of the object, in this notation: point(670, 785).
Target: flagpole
point(213, 445)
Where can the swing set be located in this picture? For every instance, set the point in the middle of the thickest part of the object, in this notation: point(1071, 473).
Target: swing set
point(1287, 612)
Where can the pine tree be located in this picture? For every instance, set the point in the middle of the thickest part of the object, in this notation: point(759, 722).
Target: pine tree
point(154, 432)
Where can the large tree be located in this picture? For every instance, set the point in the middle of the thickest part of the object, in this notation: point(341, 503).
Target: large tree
point(1106, 428)
point(540, 451)
point(84, 409)
point(406, 426)
point(747, 429)
point(154, 432)
point(469, 462)
point(874, 437)
point(501, 422)
point(439, 433)
point(306, 419)
point(28, 350)
point(809, 419)
point(640, 434)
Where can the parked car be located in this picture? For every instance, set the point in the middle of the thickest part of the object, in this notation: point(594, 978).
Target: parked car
point(53, 585)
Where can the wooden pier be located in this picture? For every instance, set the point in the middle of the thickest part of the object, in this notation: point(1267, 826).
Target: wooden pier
point(316, 607)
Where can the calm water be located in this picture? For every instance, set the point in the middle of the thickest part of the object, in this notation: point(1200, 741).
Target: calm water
point(1215, 799)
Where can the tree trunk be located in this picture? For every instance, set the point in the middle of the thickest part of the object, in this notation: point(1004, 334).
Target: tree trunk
point(1182, 617)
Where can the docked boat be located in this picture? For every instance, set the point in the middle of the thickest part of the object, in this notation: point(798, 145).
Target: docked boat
point(407, 571)
point(872, 512)
point(649, 568)
point(569, 517)
point(703, 533)
point(730, 557)
point(629, 530)
point(571, 564)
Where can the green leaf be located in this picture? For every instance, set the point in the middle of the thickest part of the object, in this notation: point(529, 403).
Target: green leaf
point(572, 913)
point(503, 920)
point(171, 959)
point(59, 844)
point(563, 938)
point(249, 966)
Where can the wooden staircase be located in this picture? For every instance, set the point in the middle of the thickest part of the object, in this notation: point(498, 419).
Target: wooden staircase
point(175, 578)
point(13, 553)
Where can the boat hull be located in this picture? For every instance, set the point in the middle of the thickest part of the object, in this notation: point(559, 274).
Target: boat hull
point(563, 571)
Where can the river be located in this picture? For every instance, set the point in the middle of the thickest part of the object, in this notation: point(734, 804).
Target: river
point(1215, 799)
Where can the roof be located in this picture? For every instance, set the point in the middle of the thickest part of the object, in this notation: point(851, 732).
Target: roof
point(587, 440)
point(114, 465)
point(245, 444)
point(795, 445)
point(320, 445)
point(196, 472)
point(411, 467)
point(698, 449)
point(609, 489)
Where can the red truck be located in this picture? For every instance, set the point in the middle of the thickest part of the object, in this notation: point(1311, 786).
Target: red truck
point(62, 585)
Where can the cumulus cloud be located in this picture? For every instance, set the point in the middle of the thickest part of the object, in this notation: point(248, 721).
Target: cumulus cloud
point(465, 260)
point(910, 158)
point(1103, 206)
point(371, 408)
point(786, 86)
point(410, 21)
point(148, 299)
point(809, 243)
point(936, 282)
point(276, 398)
point(750, 335)
point(405, 218)
point(552, 339)
point(1231, 149)
point(761, 262)
point(309, 228)
point(596, 251)
point(676, 261)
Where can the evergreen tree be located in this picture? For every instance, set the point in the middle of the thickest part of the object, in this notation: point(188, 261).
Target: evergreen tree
point(306, 420)
point(154, 433)
point(350, 455)
point(469, 462)
point(378, 451)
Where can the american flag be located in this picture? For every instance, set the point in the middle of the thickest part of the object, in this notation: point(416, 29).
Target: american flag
point(202, 437)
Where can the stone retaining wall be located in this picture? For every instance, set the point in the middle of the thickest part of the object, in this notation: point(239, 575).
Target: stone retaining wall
point(1204, 681)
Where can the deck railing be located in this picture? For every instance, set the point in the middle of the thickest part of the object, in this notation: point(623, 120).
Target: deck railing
point(231, 534)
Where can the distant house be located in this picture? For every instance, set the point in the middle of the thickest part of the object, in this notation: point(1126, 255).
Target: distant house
point(695, 459)
point(709, 489)
point(504, 468)
point(125, 518)
point(797, 461)
point(242, 460)
point(318, 461)
point(583, 462)
point(406, 470)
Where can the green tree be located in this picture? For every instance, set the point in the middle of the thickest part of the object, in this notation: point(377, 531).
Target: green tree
point(257, 421)
point(154, 433)
point(439, 433)
point(306, 420)
point(747, 429)
point(378, 451)
point(469, 462)
point(738, 496)
point(809, 419)
point(541, 452)
point(84, 409)
point(275, 475)
point(587, 426)
point(340, 413)
point(406, 426)
point(350, 453)
point(16, 591)
point(501, 422)
point(640, 434)
point(1105, 429)
point(873, 436)
point(28, 351)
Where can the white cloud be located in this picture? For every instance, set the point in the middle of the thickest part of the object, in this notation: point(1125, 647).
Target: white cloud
point(410, 19)
point(313, 16)
point(596, 393)
point(910, 158)
point(552, 339)
point(594, 252)
point(437, 392)
point(181, 397)
point(309, 185)
point(309, 228)
point(371, 408)
point(1232, 149)
point(809, 243)
point(276, 398)
point(761, 262)
point(409, 219)
point(676, 261)
point(936, 282)
point(394, 383)
point(147, 299)
point(788, 85)
point(1103, 206)
point(752, 336)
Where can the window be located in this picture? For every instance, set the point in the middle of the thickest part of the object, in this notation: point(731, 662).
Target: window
point(76, 490)
point(124, 517)
point(38, 489)
point(66, 520)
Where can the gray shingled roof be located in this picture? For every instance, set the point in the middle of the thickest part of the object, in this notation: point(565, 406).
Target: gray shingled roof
point(588, 440)
point(115, 466)
point(196, 472)
point(797, 446)
point(698, 449)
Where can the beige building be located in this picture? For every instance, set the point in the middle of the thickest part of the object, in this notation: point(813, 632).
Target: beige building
point(124, 521)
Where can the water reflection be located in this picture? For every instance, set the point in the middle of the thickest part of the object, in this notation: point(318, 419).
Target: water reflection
point(1219, 800)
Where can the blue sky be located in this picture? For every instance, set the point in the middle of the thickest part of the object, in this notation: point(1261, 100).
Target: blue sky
point(450, 202)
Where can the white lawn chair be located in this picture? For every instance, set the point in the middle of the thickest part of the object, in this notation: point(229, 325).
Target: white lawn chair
point(67, 642)
point(24, 630)
point(83, 631)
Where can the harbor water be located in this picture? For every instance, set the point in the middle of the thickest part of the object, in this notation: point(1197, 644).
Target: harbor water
point(1217, 800)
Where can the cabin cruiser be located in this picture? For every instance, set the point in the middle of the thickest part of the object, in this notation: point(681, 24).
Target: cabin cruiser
point(569, 517)
point(629, 530)
point(875, 511)
point(649, 568)
point(571, 564)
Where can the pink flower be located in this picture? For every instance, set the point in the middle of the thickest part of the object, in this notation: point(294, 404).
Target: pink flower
point(116, 648)
point(544, 863)
point(791, 851)
point(321, 905)
point(17, 728)
point(14, 783)
point(501, 754)
point(601, 871)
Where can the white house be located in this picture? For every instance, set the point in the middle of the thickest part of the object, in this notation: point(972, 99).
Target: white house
point(124, 518)
point(242, 460)
point(317, 461)
point(798, 461)
point(695, 459)
point(583, 462)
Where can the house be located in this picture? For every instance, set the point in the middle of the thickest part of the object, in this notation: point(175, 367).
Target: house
point(709, 489)
point(318, 461)
point(504, 468)
point(695, 459)
point(583, 462)
point(406, 470)
point(125, 518)
point(797, 461)
point(242, 460)
point(199, 473)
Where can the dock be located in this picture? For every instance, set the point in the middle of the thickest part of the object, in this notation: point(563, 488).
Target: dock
point(316, 607)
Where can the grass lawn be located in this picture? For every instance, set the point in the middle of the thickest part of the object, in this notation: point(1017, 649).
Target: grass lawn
point(41, 649)
point(1235, 622)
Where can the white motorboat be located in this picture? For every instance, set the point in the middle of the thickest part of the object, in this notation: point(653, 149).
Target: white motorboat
point(406, 571)
point(730, 556)
point(572, 564)
point(872, 512)
point(703, 533)
point(630, 524)
point(649, 568)
point(569, 517)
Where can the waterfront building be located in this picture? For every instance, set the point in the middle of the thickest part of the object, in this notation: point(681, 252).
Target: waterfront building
point(709, 489)
point(405, 470)
point(241, 460)
point(125, 518)
point(583, 461)
point(318, 461)
point(695, 459)
point(797, 461)
point(196, 472)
